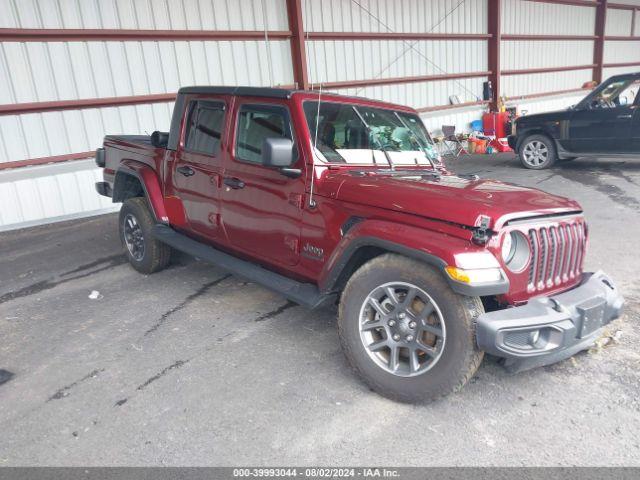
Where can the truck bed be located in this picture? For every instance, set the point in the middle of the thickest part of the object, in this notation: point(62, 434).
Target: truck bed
point(131, 147)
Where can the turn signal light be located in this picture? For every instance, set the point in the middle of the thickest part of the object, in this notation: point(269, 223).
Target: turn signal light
point(480, 275)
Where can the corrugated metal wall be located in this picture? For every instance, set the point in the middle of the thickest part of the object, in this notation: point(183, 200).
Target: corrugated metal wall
point(533, 18)
point(59, 71)
point(330, 61)
point(52, 192)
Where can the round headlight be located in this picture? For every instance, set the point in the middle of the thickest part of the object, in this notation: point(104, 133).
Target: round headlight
point(515, 251)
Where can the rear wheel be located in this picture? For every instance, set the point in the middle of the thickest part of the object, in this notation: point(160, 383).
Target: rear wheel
point(145, 253)
point(537, 152)
point(408, 335)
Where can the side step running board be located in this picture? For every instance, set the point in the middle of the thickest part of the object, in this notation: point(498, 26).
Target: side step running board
point(305, 294)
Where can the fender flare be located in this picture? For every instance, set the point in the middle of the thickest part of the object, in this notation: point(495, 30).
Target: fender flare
point(444, 255)
point(148, 178)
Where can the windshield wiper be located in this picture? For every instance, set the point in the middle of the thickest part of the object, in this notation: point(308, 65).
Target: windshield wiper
point(386, 153)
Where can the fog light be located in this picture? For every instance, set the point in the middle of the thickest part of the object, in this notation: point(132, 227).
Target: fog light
point(534, 337)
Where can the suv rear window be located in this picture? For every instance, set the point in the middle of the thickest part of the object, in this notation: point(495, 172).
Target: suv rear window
point(204, 127)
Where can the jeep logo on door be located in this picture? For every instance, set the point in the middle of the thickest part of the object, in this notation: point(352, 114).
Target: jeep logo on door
point(313, 252)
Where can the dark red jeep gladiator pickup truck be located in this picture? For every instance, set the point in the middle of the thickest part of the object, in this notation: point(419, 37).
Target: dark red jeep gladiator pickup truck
point(329, 199)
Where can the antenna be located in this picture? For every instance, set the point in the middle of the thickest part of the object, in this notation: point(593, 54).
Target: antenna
point(267, 44)
point(312, 202)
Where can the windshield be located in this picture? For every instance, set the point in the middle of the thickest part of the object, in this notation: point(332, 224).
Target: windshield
point(365, 135)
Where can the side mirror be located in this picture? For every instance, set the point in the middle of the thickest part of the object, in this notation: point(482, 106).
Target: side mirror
point(277, 152)
point(159, 139)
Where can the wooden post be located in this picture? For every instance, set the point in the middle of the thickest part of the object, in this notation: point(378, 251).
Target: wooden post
point(298, 52)
point(494, 28)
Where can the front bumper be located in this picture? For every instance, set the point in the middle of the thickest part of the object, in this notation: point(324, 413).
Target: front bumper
point(549, 329)
point(512, 140)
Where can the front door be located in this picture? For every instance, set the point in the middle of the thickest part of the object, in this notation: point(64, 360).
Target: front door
point(261, 208)
point(635, 126)
point(196, 169)
point(603, 124)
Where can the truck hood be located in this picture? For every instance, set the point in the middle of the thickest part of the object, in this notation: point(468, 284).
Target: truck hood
point(448, 198)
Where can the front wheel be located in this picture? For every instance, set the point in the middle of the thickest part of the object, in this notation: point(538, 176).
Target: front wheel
point(537, 152)
point(408, 335)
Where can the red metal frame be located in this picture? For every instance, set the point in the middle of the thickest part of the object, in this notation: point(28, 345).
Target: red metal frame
point(494, 27)
point(617, 65)
point(575, 3)
point(298, 52)
point(547, 69)
point(511, 36)
point(88, 34)
point(44, 160)
point(395, 36)
point(38, 107)
point(598, 46)
point(399, 80)
point(547, 94)
point(439, 108)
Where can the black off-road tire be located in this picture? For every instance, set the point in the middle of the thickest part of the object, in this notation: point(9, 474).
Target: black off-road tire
point(549, 144)
point(156, 255)
point(460, 357)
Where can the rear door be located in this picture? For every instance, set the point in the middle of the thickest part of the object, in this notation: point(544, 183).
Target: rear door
point(261, 208)
point(196, 169)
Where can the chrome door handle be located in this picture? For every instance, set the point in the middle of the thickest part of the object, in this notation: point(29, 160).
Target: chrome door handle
point(625, 116)
point(186, 171)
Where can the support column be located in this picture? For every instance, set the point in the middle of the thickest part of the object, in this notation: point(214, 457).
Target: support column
point(598, 44)
point(298, 52)
point(494, 28)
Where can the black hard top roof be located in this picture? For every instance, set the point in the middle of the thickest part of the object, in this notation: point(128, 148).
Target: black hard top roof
point(243, 91)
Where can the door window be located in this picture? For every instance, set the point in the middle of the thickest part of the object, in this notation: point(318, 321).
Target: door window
point(618, 94)
point(204, 127)
point(257, 123)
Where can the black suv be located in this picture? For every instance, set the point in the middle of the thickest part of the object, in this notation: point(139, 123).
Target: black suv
point(606, 122)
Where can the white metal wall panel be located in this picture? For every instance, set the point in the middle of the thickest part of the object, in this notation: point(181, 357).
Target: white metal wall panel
point(37, 72)
point(48, 134)
point(461, 118)
point(622, 52)
point(609, 72)
point(423, 94)
point(547, 104)
point(535, 18)
point(145, 14)
point(34, 195)
point(358, 60)
point(437, 16)
point(516, 85)
point(618, 22)
point(523, 54)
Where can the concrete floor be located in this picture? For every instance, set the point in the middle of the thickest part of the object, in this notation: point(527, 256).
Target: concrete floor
point(192, 366)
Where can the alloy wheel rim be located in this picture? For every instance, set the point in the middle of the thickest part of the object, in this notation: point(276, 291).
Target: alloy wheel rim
point(133, 237)
point(535, 153)
point(402, 329)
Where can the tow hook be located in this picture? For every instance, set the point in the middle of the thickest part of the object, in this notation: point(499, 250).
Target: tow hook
point(482, 233)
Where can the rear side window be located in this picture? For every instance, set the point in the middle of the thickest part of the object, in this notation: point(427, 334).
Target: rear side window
point(204, 127)
point(255, 124)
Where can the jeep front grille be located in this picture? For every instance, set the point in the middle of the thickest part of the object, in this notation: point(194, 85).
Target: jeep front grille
point(556, 254)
